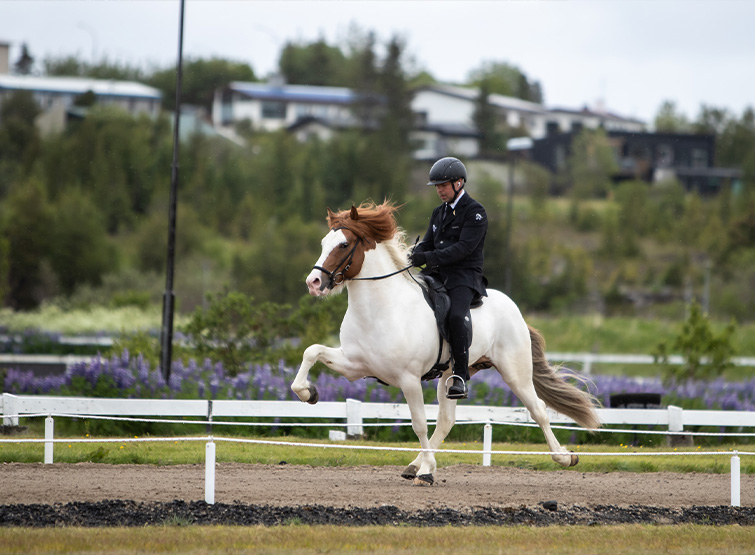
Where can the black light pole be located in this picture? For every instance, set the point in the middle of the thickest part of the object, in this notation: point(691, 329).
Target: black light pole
point(512, 146)
point(166, 333)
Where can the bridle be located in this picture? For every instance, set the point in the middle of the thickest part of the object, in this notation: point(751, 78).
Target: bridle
point(337, 277)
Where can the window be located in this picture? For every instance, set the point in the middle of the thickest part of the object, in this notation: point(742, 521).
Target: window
point(699, 158)
point(664, 154)
point(273, 109)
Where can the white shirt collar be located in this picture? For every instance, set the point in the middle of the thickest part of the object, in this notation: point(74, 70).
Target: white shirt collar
point(458, 198)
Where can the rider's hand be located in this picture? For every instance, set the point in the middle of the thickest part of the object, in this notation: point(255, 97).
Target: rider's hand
point(418, 258)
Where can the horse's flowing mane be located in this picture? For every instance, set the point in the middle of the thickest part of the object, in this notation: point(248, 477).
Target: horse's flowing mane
point(376, 222)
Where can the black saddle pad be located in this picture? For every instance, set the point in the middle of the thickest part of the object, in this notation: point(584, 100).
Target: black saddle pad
point(437, 297)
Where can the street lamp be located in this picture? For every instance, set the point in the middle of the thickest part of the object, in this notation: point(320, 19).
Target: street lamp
point(517, 144)
point(166, 332)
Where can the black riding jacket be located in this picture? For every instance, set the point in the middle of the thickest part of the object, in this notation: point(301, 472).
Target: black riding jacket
point(453, 244)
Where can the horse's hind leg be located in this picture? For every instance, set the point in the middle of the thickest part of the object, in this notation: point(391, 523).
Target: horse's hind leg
point(446, 421)
point(518, 375)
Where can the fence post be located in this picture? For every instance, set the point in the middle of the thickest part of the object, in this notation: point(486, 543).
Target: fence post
point(49, 435)
point(209, 473)
point(9, 407)
point(487, 443)
point(735, 484)
point(354, 418)
point(676, 424)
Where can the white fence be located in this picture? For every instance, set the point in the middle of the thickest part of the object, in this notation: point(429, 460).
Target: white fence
point(13, 407)
point(354, 412)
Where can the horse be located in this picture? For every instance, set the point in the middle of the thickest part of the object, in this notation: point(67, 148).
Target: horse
point(389, 332)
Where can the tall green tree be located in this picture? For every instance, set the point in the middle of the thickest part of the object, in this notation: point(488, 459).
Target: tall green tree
point(74, 66)
point(25, 63)
point(79, 248)
point(670, 120)
point(485, 120)
point(316, 64)
point(27, 229)
point(19, 138)
point(591, 164)
point(201, 77)
point(507, 80)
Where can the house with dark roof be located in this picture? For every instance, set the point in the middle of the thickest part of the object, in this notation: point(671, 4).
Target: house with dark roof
point(650, 157)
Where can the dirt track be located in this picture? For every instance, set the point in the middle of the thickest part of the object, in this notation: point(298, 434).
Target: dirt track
point(456, 487)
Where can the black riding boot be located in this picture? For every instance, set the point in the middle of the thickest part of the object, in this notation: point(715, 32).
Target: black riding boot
point(457, 383)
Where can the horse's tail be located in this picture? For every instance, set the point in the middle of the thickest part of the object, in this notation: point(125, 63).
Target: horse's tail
point(557, 393)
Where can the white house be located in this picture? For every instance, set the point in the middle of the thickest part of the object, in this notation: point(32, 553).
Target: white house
point(134, 97)
point(446, 104)
point(273, 106)
point(563, 120)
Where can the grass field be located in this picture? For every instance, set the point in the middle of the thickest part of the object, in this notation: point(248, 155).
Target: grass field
point(177, 451)
point(620, 539)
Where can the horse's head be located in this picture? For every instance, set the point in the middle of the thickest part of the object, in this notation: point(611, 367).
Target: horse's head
point(352, 234)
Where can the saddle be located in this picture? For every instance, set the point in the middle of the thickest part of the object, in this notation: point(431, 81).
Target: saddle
point(437, 298)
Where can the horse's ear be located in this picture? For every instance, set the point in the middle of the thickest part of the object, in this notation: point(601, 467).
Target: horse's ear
point(331, 215)
point(354, 214)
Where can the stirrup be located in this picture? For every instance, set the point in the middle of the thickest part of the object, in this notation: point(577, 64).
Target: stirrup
point(456, 394)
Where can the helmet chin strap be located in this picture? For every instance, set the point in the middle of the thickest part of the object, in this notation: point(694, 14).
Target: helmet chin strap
point(456, 191)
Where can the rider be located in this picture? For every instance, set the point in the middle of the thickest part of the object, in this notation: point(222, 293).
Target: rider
point(452, 247)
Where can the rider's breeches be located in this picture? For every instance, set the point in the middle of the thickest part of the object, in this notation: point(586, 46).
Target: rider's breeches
point(461, 298)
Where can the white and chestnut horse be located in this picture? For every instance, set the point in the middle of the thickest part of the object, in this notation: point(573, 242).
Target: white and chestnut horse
point(389, 332)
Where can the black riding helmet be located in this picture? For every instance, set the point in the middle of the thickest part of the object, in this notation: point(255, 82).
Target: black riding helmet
point(447, 169)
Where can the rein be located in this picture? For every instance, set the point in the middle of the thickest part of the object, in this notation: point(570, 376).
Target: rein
point(338, 277)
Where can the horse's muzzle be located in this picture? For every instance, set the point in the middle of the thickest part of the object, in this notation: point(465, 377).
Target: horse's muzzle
point(316, 285)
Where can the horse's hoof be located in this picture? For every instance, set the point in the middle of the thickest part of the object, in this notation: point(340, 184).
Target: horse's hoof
point(313, 395)
point(424, 480)
point(574, 460)
point(410, 472)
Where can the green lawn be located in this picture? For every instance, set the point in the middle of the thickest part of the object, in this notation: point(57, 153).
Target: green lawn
point(620, 539)
point(177, 451)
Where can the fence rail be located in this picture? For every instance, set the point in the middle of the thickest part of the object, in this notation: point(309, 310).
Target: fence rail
point(13, 407)
point(354, 412)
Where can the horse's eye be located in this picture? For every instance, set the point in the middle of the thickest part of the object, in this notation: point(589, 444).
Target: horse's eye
point(344, 245)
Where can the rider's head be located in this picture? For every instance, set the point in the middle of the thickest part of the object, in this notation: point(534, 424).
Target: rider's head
point(448, 170)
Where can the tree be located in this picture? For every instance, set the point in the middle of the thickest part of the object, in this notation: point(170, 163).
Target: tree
point(398, 119)
point(79, 248)
point(711, 120)
point(73, 66)
point(25, 62)
point(507, 80)
point(200, 80)
point(19, 138)
point(315, 64)
point(670, 120)
point(485, 120)
point(28, 219)
point(591, 164)
point(706, 354)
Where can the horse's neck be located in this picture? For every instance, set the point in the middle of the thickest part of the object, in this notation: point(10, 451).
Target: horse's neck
point(380, 293)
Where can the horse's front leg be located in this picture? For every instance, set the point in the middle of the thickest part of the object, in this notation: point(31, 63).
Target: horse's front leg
point(446, 421)
point(331, 357)
point(425, 463)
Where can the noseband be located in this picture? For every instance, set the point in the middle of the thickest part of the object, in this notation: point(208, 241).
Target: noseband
point(338, 277)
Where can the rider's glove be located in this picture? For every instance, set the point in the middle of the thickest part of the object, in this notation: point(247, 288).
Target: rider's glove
point(418, 258)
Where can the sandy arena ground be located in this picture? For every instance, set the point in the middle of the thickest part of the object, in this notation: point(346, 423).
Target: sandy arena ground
point(456, 487)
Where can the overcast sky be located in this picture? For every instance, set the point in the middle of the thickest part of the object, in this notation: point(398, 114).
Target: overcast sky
point(629, 55)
